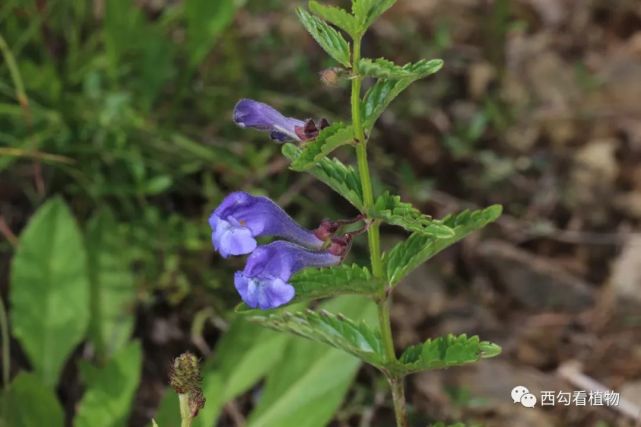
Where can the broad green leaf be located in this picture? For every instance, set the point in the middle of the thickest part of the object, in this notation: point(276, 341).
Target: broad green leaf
point(384, 91)
point(50, 289)
point(335, 16)
point(367, 11)
point(111, 390)
point(309, 384)
point(341, 178)
point(382, 68)
point(332, 329)
point(328, 38)
point(112, 286)
point(205, 21)
point(445, 352)
point(28, 403)
point(393, 211)
point(244, 355)
point(418, 248)
point(327, 141)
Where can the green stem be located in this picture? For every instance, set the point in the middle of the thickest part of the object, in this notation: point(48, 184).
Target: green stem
point(185, 410)
point(374, 239)
point(4, 330)
point(398, 395)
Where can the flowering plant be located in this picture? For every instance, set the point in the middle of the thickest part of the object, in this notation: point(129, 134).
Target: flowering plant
point(303, 265)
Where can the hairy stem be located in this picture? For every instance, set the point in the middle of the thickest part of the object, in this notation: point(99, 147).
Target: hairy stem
point(398, 395)
point(374, 240)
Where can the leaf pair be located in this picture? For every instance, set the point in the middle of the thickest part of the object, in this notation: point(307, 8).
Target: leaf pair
point(364, 13)
point(363, 342)
point(420, 247)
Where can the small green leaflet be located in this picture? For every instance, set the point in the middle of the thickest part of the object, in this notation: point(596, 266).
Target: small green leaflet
point(418, 248)
point(328, 38)
point(366, 11)
point(318, 283)
point(445, 352)
point(341, 178)
point(393, 211)
point(384, 91)
point(382, 68)
point(327, 141)
point(335, 16)
point(332, 329)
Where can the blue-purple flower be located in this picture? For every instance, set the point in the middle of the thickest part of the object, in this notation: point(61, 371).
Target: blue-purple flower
point(241, 218)
point(264, 283)
point(257, 115)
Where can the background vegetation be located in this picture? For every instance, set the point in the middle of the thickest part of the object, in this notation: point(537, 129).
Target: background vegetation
point(116, 142)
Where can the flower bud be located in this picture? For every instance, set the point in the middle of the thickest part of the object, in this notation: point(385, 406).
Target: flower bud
point(185, 374)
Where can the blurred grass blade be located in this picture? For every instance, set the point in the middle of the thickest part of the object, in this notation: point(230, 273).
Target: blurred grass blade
point(50, 289)
point(206, 20)
point(112, 286)
point(14, 72)
point(107, 401)
point(36, 155)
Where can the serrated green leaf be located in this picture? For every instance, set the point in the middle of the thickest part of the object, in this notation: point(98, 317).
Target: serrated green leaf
point(327, 141)
point(28, 403)
point(308, 385)
point(328, 38)
point(418, 248)
point(384, 91)
point(332, 329)
point(445, 352)
point(393, 211)
point(316, 283)
point(50, 289)
point(382, 68)
point(341, 178)
point(113, 293)
point(335, 16)
point(367, 11)
point(107, 401)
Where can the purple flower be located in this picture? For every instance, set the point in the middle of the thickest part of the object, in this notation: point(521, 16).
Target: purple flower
point(241, 218)
point(264, 283)
point(253, 114)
